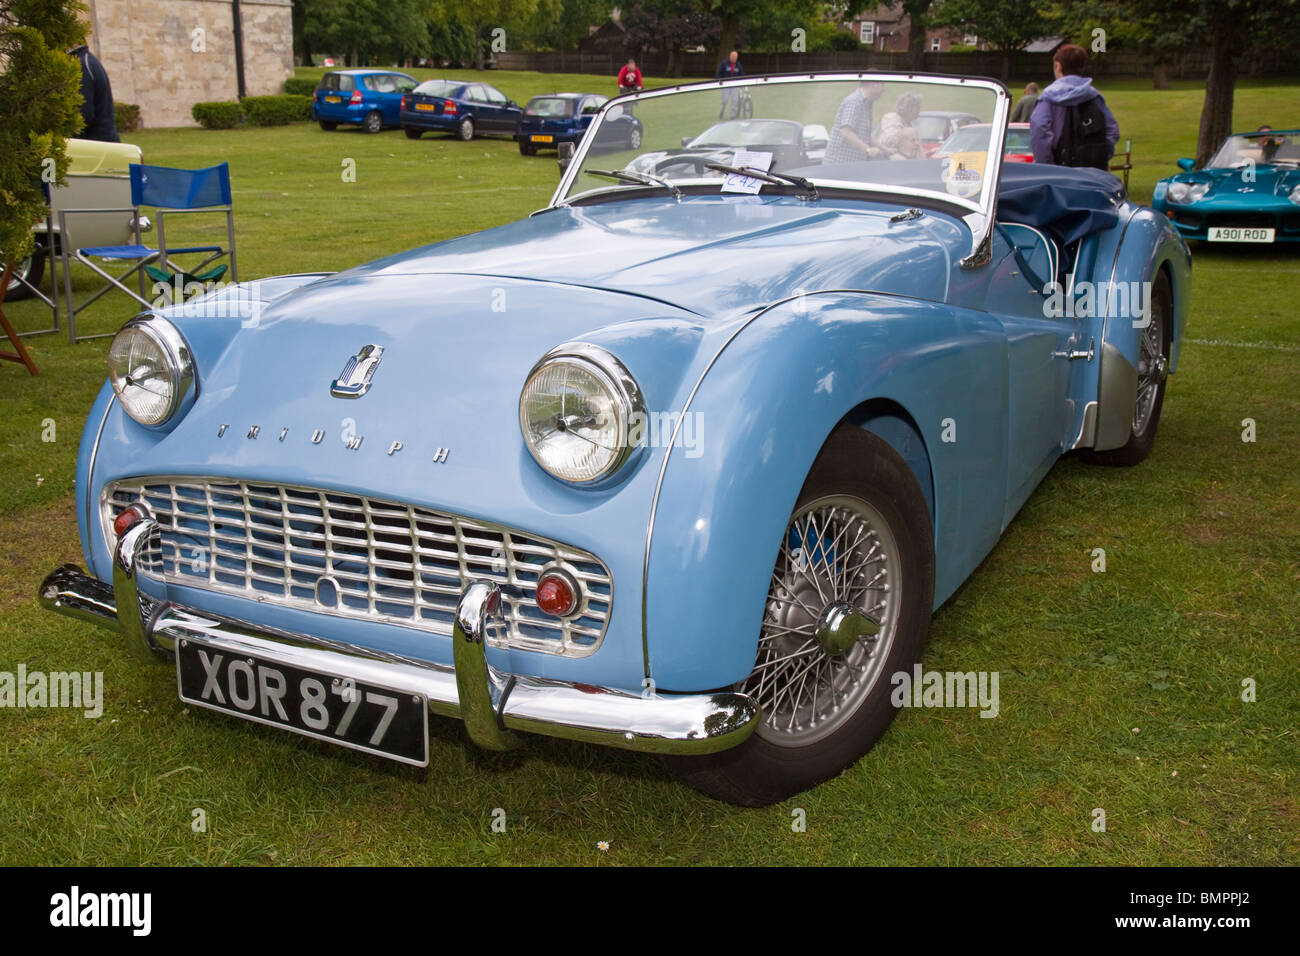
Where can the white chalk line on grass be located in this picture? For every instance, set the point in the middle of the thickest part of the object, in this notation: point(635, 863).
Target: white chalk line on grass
point(1267, 346)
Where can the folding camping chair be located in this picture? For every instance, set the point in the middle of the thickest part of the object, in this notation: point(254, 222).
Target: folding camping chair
point(170, 192)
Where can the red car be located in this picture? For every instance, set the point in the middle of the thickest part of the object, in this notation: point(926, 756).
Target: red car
point(975, 137)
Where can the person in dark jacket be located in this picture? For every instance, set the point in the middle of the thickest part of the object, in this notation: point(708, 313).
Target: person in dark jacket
point(730, 98)
point(96, 98)
point(1051, 113)
point(1024, 107)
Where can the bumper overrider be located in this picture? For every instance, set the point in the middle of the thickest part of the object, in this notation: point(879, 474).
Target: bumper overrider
point(492, 703)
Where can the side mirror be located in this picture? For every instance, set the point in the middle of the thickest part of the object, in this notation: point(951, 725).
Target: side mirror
point(686, 140)
point(565, 153)
point(512, 103)
point(1187, 165)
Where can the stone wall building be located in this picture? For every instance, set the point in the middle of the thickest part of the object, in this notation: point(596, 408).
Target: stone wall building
point(167, 55)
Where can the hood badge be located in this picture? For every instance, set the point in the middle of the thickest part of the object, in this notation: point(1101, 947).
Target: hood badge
point(354, 380)
point(351, 440)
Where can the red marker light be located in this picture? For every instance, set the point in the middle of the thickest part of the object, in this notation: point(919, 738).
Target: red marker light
point(557, 594)
point(126, 519)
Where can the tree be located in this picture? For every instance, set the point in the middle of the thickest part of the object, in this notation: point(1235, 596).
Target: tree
point(1233, 29)
point(485, 17)
point(1006, 25)
point(669, 25)
point(40, 107)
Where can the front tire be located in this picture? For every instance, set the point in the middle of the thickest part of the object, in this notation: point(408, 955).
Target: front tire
point(1153, 371)
point(30, 269)
point(634, 138)
point(465, 130)
point(858, 549)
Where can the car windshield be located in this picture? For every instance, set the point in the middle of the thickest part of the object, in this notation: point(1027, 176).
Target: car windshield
point(1018, 140)
point(437, 88)
point(550, 106)
point(1270, 147)
point(781, 125)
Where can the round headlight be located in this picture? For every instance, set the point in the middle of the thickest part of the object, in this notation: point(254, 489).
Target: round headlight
point(1196, 191)
point(576, 410)
point(151, 370)
point(1178, 192)
point(1295, 195)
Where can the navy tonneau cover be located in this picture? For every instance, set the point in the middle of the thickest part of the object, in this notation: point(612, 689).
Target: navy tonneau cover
point(1066, 203)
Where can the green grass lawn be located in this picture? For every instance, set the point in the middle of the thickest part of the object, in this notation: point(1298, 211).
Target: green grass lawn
point(1119, 691)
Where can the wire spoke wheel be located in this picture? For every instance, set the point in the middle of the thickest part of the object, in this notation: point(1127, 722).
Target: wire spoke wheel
point(1152, 369)
point(839, 561)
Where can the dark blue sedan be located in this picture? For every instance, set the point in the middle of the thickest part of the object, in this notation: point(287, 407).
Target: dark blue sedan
point(371, 99)
point(557, 118)
point(467, 109)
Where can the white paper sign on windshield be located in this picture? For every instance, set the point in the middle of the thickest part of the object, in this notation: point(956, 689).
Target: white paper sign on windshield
point(746, 184)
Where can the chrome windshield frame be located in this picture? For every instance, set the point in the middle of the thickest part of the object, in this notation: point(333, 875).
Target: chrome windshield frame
point(978, 215)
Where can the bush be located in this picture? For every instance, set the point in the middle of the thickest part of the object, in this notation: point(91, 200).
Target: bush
point(217, 115)
point(844, 40)
point(277, 110)
point(300, 86)
point(127, 117)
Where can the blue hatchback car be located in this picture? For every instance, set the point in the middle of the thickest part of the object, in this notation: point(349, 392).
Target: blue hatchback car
point(371, 99)
point(559, 118)
point(453, 106)
point(1249, 191)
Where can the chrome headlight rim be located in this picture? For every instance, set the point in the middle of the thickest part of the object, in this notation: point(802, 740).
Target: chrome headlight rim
point(1184, 192)
point(180, 367)
point(623, 389)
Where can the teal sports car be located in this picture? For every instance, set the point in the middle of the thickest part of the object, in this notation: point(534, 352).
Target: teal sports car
point(1248, 192)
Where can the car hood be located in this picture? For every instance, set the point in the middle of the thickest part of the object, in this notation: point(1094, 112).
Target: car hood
point(713, 256)
point(1266, 180)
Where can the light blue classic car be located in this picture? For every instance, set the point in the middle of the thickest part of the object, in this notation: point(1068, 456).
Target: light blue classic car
point(1248, 192)
point(676, 465)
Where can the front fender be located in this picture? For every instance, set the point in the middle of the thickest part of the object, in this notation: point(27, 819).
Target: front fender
point(752, 428)
point(1146, 245)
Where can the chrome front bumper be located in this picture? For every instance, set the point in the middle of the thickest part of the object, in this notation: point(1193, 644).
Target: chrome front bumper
point(492, 703)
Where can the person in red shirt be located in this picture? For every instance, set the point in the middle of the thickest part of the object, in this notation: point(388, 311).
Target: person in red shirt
point(629, 78)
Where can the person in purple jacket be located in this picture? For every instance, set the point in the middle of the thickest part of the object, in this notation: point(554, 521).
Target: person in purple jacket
point(1071, 125)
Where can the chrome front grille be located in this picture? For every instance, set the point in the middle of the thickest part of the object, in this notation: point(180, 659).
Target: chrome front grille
point(356, 557)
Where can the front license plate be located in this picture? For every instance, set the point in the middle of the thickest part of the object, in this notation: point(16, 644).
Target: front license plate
point(333, 99)
point(332, 707)
point(543, 139)
point(426, 107)
point(1238, 234)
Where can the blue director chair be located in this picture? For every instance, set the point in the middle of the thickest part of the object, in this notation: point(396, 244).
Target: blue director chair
point(170, 192)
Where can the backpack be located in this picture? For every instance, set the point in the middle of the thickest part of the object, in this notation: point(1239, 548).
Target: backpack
point(1083, 139)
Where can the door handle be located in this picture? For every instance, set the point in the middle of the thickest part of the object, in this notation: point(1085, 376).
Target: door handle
point(1074, 354)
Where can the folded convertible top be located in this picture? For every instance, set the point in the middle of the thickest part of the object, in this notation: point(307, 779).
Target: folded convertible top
point(1066, 203)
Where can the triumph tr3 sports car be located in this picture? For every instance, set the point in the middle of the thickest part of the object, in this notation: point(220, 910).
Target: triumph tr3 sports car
point(1249, 191)
point(680, 465)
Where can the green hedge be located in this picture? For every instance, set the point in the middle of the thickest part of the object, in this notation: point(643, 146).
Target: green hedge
point(217, 115)
point(277, 110)
point(127, 117)
point(300, 86)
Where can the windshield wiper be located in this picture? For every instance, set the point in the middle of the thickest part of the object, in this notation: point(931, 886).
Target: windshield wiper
point(768, 177)
point(643, 179)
